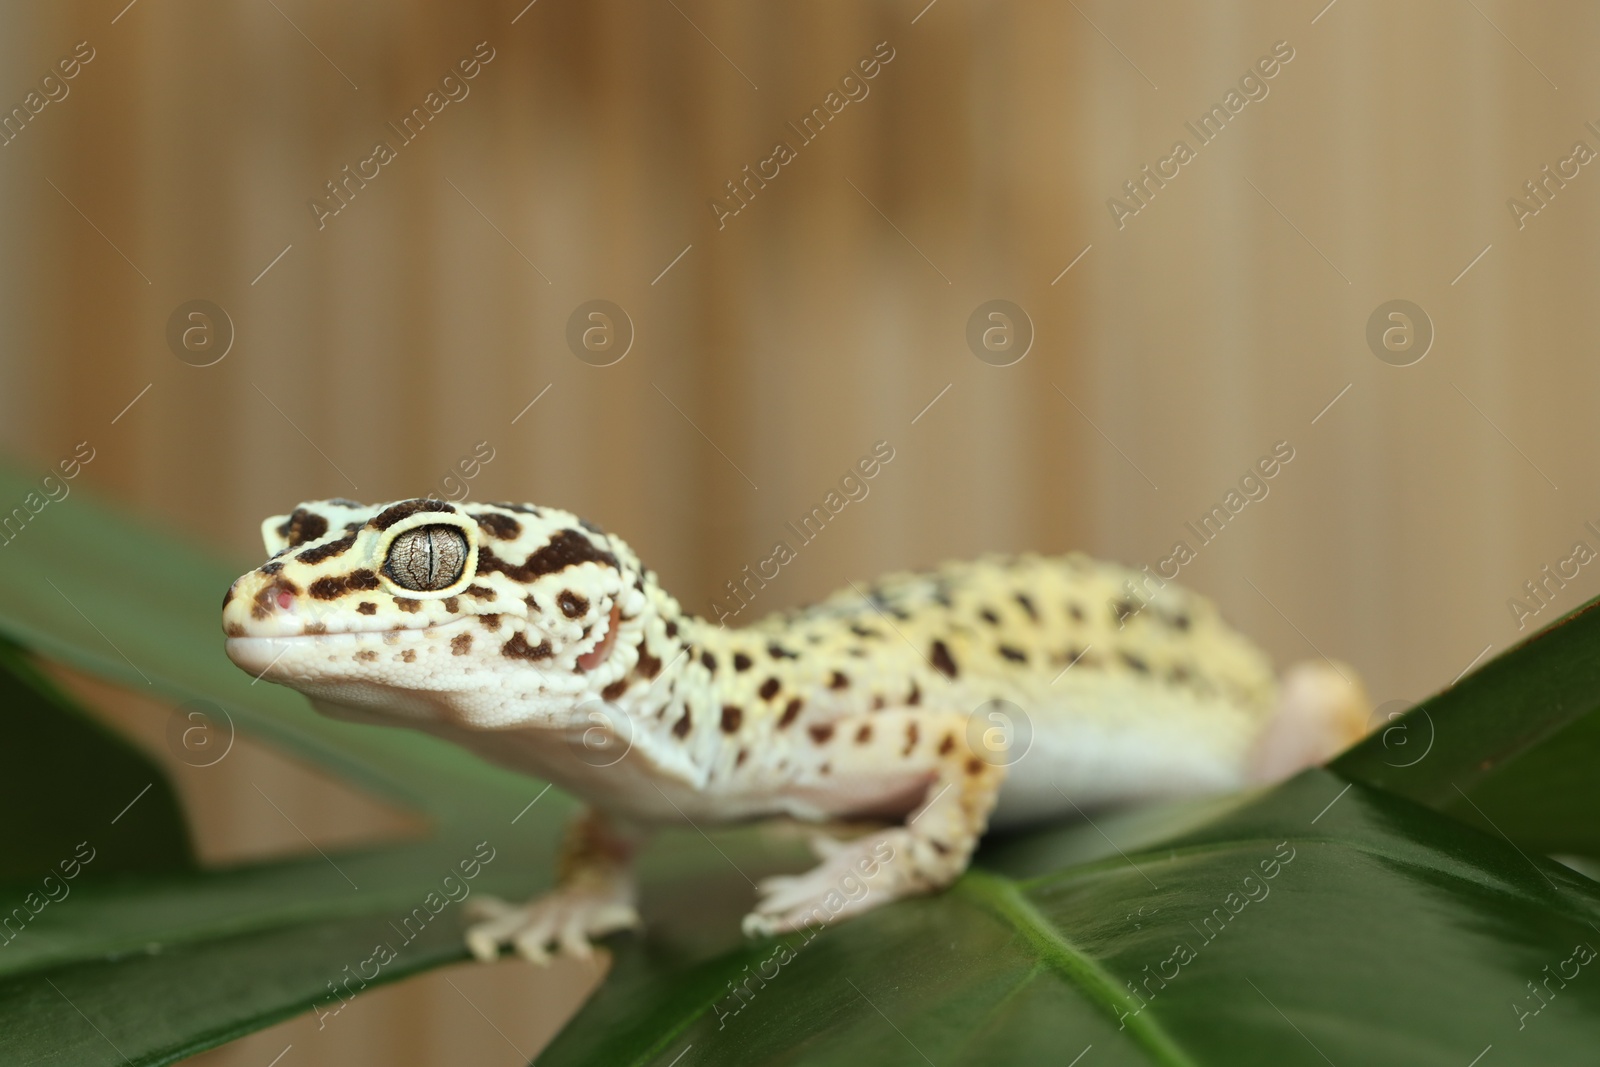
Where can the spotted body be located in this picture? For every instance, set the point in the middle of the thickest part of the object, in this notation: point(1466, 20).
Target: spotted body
point(539, 641)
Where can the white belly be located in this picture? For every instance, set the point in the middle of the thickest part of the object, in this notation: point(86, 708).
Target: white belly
point(1103, 743)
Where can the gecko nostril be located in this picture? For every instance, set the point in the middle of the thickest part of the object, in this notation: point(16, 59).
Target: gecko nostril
point(284, 600)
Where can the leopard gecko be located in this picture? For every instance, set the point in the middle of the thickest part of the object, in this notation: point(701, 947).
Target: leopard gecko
point(539, 641)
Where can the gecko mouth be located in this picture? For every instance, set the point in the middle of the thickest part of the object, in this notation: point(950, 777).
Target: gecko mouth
point(259, 655)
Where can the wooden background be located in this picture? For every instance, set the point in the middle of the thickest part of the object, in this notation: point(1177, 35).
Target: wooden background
point(770, 353)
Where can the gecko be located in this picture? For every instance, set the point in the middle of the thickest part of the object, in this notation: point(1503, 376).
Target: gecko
point(932, 705)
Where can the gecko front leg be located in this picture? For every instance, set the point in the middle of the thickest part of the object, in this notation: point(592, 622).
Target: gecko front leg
point(926, 853)
point(594, 896)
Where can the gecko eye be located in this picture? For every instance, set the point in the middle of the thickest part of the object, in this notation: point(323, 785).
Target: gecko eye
point(426, 558)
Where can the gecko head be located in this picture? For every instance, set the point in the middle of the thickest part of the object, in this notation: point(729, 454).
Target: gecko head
point(488, 615)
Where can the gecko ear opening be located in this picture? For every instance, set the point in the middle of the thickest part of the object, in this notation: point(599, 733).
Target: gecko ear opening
point(601, 652)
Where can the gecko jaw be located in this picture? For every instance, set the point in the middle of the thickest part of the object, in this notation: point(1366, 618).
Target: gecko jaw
point(262, 656)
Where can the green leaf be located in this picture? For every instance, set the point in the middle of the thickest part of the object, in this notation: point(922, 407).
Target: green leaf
point(1392, 935)
point(162, 1005)
point(1509, 748)
point(79, 785)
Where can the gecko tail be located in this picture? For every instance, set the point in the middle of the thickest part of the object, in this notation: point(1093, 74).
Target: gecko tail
point(1322, 709)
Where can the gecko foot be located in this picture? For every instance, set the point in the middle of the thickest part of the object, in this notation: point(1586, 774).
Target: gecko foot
point(854, 876)
point(564, 919)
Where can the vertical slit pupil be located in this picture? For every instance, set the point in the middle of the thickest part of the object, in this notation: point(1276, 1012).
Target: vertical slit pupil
point(428, 558)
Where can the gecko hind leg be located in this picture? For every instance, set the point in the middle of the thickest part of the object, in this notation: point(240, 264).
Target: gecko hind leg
point(594, 896)
point(927, 853)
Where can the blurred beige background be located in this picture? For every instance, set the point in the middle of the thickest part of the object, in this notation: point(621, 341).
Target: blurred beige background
point(373, 354)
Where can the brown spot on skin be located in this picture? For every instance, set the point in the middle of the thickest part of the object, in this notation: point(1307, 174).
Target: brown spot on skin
point(989, 617)
point(460, 644)
point(518, 648)
point(366, 655)
point(367, 607)
point(567, 548)
point(1076, 612)
point(709, 661)
point(407, 604)
point(1027, 605)
point(520, 509)
point(974, 766)
point(452, 604)
point(911, 738)
point(315, 628)
point(732, 716)
point(944, 850)
point(332, 588)
point(302, 527)
point(1134, 662)
point(614, 690)
point(266, 600)
point(769, 688)
point(405, 509)
point(948, 745)
point(864, 631)
point(681, 727)
point(1123, 609)
point(820, 734)
point(271, 568)
point(1015, 655)
point(323, 553)
point(1181, 622)
point(741, 662)
point(490, 622)
point(409, 655)
point(233, 629)
point(916, 695)
point(478, 592)
point(533, 605)
point(502, 527)
point(648, 666)
point(942, 661)
point(779, 652)
point(672, 628)
point(826, 768)
point(791, 711)
point(1179, 674)
point(864, 734)
point(838, 681)
point(877, 703)
point(227, 598)
point(739, 760)
point(571, 604)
